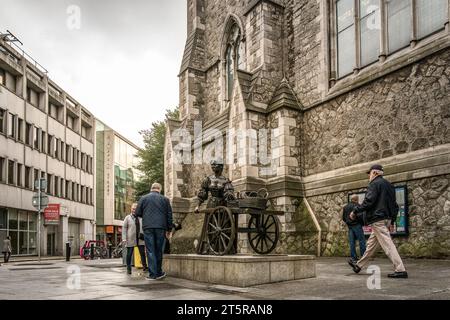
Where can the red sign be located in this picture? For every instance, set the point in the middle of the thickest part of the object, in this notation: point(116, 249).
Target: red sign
point(51, 213)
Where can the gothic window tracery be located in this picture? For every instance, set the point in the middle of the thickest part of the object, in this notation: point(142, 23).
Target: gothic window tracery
point(234, 54)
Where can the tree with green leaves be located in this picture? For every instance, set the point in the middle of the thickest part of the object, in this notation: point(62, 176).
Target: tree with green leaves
point(151, 157)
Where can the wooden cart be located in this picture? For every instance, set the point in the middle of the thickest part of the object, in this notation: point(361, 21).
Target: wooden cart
point(220, 228)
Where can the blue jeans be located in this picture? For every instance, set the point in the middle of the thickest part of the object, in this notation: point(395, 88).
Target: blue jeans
point(356, 233)
point(154, 242)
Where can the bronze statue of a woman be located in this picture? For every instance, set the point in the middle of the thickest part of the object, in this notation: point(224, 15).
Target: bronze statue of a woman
point(217, 190)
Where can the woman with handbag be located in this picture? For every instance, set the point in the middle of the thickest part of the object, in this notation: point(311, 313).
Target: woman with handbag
point(133, 235)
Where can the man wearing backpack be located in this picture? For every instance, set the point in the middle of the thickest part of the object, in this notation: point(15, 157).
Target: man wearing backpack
point(378, 210)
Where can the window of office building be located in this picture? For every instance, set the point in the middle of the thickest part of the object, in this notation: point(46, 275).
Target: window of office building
point(19, 174)
point(61, 188)
point(11, 167)
point(74, 192)
point(28, 177)
point(83, 195)
point(2, 120)
point(83, 161)
point(2, 77)
point(28, 134)
point(11, 125)
point(68, 154)
point(36, 134)
point(62, 151)
point(362, 36)
point(50, 142)
point(33, 97)
point(68, 190)
point(43, 139)
point(56, 185)
point(49, 184)
point(71, 122)
point(2, 169)
point(20, 129)
point(86, 132)
point(35, 178)
point(56, 112)
point(75, 157)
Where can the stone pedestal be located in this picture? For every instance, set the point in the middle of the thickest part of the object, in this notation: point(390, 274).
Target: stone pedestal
point(240, 270)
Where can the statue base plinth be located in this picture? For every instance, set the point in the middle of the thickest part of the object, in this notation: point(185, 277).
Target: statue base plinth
point(240, 270)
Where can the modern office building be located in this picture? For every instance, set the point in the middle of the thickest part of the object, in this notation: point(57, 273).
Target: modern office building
point(115, 179)
point(44, 133)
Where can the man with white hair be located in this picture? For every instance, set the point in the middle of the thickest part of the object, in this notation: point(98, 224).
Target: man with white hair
point(378, 210)
point(156, 213)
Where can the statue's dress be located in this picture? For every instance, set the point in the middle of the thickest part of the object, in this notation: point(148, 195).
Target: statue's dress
point(221, 191)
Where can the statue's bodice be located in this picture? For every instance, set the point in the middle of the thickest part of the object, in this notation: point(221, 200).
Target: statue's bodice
point(217, 186)
point(220, 189)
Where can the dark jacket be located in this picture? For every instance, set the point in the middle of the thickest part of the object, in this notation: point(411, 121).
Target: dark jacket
point(346, 215)
point(379, 202)
point(155, 210)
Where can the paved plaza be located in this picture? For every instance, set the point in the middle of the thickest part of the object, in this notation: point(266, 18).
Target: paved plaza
point(107, 279)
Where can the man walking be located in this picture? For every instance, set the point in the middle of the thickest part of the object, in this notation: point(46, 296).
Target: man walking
point(132, 235)
point(355, 230)
point(378, 209)
point(156, 213)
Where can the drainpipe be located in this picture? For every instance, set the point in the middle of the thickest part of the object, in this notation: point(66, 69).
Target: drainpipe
point(316, 223)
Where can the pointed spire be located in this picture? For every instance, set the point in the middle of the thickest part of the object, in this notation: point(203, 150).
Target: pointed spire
point(284, 96)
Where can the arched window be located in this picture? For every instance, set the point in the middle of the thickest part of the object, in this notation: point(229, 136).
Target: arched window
point(234, 52)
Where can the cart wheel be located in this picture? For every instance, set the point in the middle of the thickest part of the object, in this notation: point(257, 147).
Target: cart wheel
point(221, 231)
point(267, 233)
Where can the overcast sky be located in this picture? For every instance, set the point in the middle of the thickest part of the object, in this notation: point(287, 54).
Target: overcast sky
point(120, 59)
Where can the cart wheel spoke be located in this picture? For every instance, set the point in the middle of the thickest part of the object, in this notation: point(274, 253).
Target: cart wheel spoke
point(256, 235)
point(215, 228)
point(267, 227)
point(265, 233)
point(225, 235)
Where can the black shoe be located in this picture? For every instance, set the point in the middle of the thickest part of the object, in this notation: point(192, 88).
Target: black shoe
point(144, 269)
point(162, 276)
point(354, 266)
point(398, 275)
point(128, 271)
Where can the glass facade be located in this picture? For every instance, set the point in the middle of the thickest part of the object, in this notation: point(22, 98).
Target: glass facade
point(21, 226)
point(115, 178)
point(124, 177)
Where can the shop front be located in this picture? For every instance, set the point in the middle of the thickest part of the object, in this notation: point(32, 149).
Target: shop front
point(21, 226)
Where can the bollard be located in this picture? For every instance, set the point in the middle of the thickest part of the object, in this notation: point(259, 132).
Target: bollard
point(110, 250)
point(67, 251)
point(92, 251)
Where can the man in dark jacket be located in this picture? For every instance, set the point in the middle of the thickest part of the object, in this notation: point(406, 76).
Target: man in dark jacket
point(355, 230)
point(378, 209)
point(156, 213)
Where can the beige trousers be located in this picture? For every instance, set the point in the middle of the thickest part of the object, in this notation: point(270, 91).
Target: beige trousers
point(380, 236)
